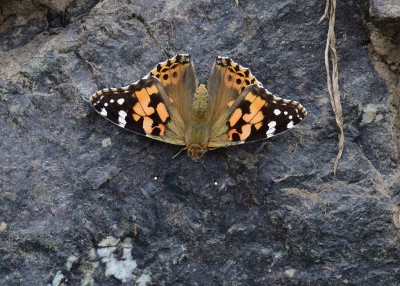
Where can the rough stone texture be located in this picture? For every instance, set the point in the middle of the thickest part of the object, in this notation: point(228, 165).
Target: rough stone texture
point(70, 180)
point(385, 9)
point(386, 16)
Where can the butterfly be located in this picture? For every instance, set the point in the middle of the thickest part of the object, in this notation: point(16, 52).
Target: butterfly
point(169, 105)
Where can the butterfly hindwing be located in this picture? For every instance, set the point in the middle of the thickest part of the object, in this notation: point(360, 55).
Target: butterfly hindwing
point(226, 82)
point(178, 77)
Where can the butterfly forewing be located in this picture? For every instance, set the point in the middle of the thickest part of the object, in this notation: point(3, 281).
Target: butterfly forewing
point(261, 115)
point(142, 107)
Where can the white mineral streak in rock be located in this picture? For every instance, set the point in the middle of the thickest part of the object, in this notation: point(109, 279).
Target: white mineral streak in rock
point(122, 267)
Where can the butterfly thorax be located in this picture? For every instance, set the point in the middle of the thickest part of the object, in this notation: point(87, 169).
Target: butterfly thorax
point(197, 129)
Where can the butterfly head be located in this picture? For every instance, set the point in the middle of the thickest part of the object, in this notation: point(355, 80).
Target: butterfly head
point(195, 152)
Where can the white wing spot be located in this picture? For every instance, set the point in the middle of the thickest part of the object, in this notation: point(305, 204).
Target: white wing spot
point(121, 122)
point(121, 119)
point(270, 132)
point(111, 100)
point(121, 101)
point(290, 116)
point(271, 129)
point(106, 104)
point(103, 112)
point(272, 124)
point(290, 125)
point(122, 114)
point(277, 111)
point(285, 112)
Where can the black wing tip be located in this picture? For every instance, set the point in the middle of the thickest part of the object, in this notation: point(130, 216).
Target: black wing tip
point(223, 61)
point(182, 58)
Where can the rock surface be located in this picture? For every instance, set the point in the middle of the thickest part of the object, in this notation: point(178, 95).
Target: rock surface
point(386, 16)
point(78, 203)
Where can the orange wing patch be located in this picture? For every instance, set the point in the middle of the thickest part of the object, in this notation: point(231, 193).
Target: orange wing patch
point(153, 118)
point(246, 116)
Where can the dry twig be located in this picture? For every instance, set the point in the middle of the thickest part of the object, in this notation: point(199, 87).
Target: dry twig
point(332, 78)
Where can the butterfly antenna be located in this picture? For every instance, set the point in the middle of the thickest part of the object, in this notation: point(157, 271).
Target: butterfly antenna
point(179, 153)
point(173, 166)
point(215, 182)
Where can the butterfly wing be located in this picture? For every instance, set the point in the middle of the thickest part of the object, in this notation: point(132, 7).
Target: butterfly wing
point(226, 82)
point(154, 106)
point(178, 77)
point(253, 112)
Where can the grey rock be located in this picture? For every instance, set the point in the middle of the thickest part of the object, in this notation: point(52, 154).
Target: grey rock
point(70, 180)
point(98, 176)
point(386, 16)
point(385, 9)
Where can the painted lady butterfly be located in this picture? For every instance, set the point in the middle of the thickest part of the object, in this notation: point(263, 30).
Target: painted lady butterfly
point(169, 105)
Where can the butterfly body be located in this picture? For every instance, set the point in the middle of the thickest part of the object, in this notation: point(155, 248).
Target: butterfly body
point(169, 105)
point(196, 129)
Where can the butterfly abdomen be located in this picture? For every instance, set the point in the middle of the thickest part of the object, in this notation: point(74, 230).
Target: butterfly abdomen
point(197, 131)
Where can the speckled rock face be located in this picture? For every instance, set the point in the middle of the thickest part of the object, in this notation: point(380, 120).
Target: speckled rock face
point(78, 202)
point(386, 16)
